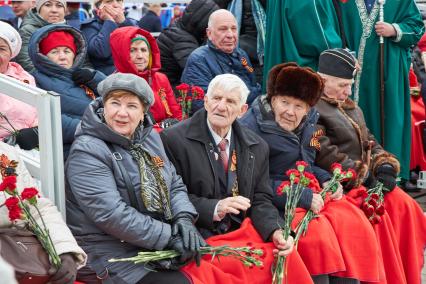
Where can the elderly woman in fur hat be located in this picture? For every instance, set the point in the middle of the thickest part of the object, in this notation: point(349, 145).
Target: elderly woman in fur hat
point(285, 118)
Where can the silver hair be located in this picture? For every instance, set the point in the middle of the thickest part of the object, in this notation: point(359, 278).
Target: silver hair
point(229, 83)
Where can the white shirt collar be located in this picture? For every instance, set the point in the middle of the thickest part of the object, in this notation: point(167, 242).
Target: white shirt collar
point(217, 138)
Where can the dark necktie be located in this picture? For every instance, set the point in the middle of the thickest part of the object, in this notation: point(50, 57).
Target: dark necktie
point(223, 156)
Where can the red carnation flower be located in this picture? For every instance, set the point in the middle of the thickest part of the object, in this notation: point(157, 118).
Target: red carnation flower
point(9, 183)
point(375, 220)
point(380, 210)
point(372, 202)
point(11, 202)
point(15, 213)
point(336, 168)
point(370, 210)
point(351, 174)
point(29, 193)
point(375, 196)
point(301, 165)
point(309, 175)
point(197, 93)
point(364, 193)
point(183, 87)
point(283, 187)
point(293, 172)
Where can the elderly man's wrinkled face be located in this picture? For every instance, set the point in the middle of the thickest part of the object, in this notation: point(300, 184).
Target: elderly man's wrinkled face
point(5, 55)
point(288, 111)
point(52, 11)
point(124, 113)
point(223, 108)
point(337, 88)
point(223, 33)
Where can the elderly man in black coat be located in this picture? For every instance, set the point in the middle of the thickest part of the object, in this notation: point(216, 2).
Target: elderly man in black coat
point(225, 165)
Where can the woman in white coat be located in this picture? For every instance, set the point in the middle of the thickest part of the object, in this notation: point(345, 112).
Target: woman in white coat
point(72, 256)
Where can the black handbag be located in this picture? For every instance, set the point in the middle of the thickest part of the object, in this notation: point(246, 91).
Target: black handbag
point(23, 251)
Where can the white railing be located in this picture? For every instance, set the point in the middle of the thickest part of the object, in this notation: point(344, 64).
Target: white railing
point(50, 168)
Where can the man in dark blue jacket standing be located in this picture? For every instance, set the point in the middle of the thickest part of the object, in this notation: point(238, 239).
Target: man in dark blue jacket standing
point(109, 16)
point(151, 21)
point(220, 55)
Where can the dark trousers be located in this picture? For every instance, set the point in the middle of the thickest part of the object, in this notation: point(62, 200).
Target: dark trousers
point(165, 277)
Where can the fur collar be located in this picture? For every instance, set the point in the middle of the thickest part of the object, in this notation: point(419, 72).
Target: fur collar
point(347, 104)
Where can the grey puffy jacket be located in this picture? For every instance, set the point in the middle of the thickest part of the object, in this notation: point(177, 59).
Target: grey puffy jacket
point(98, 207)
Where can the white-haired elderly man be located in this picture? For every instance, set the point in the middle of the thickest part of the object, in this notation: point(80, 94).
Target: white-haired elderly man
point(225, 165)
point(220, 55)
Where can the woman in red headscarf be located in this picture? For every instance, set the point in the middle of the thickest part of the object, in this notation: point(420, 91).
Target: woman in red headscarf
point(135, 51)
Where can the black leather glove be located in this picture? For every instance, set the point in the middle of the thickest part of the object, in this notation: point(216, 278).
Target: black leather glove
point(67, 273)
point(83, 75)
point(386, 174)
point(166, 264)
point(168, 122)
point(176, 243)
point(27, 138)
point(369, 181)
point(183, 225)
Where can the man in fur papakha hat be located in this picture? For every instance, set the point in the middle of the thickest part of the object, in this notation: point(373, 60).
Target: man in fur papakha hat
point(346, 139)
point(285, 118)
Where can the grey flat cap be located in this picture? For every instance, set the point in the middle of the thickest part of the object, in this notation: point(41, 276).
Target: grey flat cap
point(128, 82)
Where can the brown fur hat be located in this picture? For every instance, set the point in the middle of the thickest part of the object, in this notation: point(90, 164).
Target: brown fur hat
point(289, 79)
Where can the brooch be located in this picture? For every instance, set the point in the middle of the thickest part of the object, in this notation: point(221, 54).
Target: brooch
point(233, 161)
point(314, 140)
point(7, 167)
point(158, 161)
point(246, 65)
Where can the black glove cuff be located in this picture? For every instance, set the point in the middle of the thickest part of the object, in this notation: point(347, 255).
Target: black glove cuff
point(184, 215)
point(386, 169)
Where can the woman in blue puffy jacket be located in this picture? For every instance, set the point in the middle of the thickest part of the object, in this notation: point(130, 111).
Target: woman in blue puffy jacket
point(58, 53)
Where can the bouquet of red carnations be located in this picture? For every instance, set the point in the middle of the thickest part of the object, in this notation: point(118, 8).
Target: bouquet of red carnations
point(186, 95)
point(293, 189)
point(19, 206)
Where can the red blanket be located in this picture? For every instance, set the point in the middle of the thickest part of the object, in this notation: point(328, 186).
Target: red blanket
point(319, 248)
point(228, 270)
point(388, 241)
point(357, 241)
point(409, 223)
point(418, 155)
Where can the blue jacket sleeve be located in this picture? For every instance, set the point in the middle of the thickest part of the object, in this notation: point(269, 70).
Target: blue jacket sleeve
point(93, 84)
point(69, 125)
point(98, 39)
point(197, 72)
point(320, 174)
